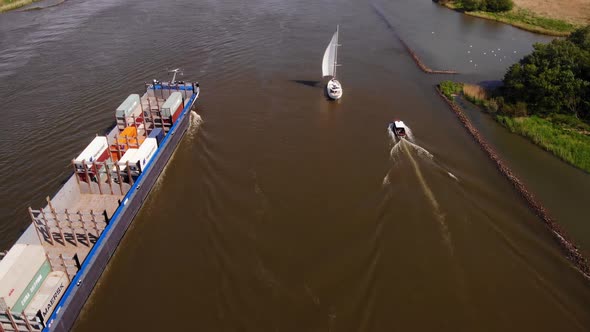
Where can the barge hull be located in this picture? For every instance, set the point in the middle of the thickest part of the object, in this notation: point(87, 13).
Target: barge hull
point(81, 287)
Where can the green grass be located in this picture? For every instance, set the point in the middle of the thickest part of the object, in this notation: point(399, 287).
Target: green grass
point(7, 5)
point(450, 88)
point(526, 20)
point(571, 144)
point(523, 19)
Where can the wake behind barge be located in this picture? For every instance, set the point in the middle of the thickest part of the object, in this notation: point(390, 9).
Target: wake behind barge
point(47, 276)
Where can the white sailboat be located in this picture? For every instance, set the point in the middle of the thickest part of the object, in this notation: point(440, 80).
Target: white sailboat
point(329, 64)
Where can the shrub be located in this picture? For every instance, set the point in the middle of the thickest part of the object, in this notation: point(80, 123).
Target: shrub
point(498, 5)
point(514, 110)
point(450, 88)
point(493, 105)
point(472, 5)
point(475, 92)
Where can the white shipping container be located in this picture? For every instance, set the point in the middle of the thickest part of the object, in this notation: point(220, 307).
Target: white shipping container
point(171, 104)
point(95, 151)
point(127, 156)
point(48, 295)
point(144, 154)
point(128, 107)
point(17, 270)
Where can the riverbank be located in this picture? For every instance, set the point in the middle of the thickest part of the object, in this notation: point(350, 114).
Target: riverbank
point(564, 136)
point(448, 91)
point(524, 18)
point(8, 5)
point(570, 143)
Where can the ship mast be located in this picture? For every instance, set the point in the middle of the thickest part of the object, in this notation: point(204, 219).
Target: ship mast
point(175, 71)
point(336, 50)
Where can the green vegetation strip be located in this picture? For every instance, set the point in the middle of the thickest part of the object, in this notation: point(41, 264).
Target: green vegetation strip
point(450, 88)
point(567, 143)
point(7, 5)
point(520, 18)
point(571, 250)
point(526, 20)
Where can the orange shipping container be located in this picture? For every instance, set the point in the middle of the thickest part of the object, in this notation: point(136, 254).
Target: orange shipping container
point(129, 135)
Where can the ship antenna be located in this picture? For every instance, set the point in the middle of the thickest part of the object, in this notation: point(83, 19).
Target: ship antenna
point(175, 71)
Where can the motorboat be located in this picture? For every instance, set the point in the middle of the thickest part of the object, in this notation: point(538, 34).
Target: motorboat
point(398, 128)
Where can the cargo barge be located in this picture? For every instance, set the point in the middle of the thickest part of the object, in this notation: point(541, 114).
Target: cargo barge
point(47, 276)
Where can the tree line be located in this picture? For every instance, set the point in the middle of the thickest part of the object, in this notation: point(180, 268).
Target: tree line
point(483, 5)
point(553, 79)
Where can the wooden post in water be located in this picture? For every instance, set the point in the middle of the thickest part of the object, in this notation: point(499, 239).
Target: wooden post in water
point(69, 221)
point(84, 228)
point(97, 175)
point(61, 233)
point(129, 173)
point(76, 173)
point(95, 223)
point(87, 175)
point(119, 177)
point(127, 141)
point(47, 227)
point(11, 319)
point(29, 327)
point(63, 262)
point(36, 228)
point(109, 180)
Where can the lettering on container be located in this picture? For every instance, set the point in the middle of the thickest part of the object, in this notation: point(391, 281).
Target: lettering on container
point(27, 296)
point(150, 154)
point(47, 309)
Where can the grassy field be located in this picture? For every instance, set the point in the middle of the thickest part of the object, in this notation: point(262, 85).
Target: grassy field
point(529, 21)
point(526, 19)
point(569, 144)
point(6, 5)
point(572, 11)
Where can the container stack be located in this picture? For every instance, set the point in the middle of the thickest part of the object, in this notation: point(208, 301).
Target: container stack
point(49, 294)
point(96, 152)
point(172, 108)
point(158, 134)
point(129, 138)
point(22, 273)
point(143, 155)
point(129, 112)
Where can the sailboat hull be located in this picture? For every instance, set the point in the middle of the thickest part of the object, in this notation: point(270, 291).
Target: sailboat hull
point(334, 89)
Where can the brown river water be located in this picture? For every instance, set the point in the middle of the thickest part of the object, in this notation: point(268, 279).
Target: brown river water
point(283, 211)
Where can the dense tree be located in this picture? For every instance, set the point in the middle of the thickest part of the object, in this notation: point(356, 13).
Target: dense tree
point(471, 5)
point(581, 37)
point(487, 5)
point(555, 78)
point(498, 5)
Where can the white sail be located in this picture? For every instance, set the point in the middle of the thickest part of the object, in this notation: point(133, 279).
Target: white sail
point(329, 62)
